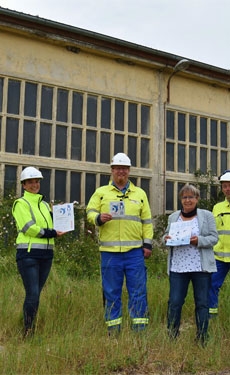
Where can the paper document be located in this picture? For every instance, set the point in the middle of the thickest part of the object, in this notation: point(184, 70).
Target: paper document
point(63, 217)
point(117, 208)
point(180, 233)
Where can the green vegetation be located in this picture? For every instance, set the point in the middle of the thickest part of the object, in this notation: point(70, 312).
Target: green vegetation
point(71, 336)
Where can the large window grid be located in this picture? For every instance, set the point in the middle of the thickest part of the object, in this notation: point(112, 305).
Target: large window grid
point(59, 126)
point(172, 193)
point(194, 142)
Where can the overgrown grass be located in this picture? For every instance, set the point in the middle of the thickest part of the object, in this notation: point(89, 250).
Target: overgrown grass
point(71, 337)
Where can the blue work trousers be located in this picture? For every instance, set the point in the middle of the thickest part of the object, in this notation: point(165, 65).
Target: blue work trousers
point(217, 282)
point(179, 283)
point(34, 273)
point(114, 268)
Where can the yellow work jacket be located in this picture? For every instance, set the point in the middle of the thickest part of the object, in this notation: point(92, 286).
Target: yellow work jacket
point(221, 212)
point(32, 216)
point(131, 225)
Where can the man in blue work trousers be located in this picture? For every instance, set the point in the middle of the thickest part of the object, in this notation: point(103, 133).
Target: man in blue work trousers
point(122, 213)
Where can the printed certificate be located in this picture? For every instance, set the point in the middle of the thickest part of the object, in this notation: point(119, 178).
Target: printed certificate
point(117, 208)
point(63, 217)
point(180, 233)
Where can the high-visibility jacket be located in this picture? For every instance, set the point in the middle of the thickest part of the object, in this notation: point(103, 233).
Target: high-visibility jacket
point(131, 226)
point(32, 215)
point(221, 212)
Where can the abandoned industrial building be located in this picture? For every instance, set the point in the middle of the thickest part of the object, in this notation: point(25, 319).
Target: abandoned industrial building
point(71, 98)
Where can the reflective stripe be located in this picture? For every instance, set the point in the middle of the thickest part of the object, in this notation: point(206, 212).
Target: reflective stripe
point(220, 232)
point(35, 246)
point(140, 321)
point(213, 310)
point(147, 240)
point(222, 254)
point(27, 226)
point(127, 218)
point(130, 218)
point(31, 211)
point(147, 221)
point(114, 322)
point(121, 243)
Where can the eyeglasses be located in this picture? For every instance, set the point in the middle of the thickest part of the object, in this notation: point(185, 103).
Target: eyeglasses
point(188, 197)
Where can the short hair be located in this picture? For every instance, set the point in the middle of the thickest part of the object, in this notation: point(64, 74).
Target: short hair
point(191, 189)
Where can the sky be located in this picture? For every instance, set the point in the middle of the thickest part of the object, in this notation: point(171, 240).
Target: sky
point(192, 29)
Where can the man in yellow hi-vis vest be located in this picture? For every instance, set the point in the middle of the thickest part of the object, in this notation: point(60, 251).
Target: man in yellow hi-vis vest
point(221, 212)
point(122, 214)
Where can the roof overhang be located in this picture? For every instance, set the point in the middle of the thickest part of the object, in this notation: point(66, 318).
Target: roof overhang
point(77, 39)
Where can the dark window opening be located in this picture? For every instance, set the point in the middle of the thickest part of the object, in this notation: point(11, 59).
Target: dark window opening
point(92, 111)
point(76, 143)
point(132, 150)
point(61, 142)
point(91, 145)
point(45, 139)
point(144, 153)
point(47, 102)
point(29, 137)
point(62, 105)
point(77, 108)
point(170, 124)
point(10, 180)
point(60, 186)
point(12, 135)
point(105, 148)
point(145, 119)
point(132, 119)
point(119, 115)
point(30, 99)
point(105, 113)
point(90, 186)
point(75, 187)
point(13, 98)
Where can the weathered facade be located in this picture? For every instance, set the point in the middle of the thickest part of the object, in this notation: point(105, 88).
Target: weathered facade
point(71, 98)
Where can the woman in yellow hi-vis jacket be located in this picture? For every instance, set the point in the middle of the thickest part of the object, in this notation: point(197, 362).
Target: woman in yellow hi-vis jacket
point(122, 213)
point(35, 242)
point(221, 212)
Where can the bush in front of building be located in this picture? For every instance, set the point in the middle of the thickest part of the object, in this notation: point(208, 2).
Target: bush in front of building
point(8, 230)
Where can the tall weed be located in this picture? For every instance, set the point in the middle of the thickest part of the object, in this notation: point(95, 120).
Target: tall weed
point(71, 337)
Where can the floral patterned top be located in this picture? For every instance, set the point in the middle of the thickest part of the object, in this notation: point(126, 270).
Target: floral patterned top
point(186, 258)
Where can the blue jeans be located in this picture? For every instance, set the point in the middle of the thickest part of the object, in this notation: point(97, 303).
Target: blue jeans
point(179, 283)
point(115, 267)
point(217, 281)
point(34, 273)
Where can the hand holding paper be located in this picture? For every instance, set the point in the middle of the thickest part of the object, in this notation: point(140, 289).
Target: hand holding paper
point(63, 217)
point(180, 233)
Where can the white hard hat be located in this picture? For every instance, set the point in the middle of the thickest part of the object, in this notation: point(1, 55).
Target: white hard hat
point(30, 172)
point(225, 176)
point(121, 159)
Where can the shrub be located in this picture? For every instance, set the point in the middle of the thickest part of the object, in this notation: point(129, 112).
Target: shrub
point(8, 230)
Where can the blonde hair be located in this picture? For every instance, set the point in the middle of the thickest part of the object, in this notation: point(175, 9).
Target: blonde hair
point(191, 189)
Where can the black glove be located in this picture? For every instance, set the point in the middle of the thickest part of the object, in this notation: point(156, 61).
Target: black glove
point(49, 233)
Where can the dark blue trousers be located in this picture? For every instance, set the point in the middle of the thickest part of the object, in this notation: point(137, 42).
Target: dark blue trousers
point(216, 283)
point(115, 267)
point(34, 273)
point(179, 283)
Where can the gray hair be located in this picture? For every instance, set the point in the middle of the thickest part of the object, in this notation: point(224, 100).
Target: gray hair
point(191, 189)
